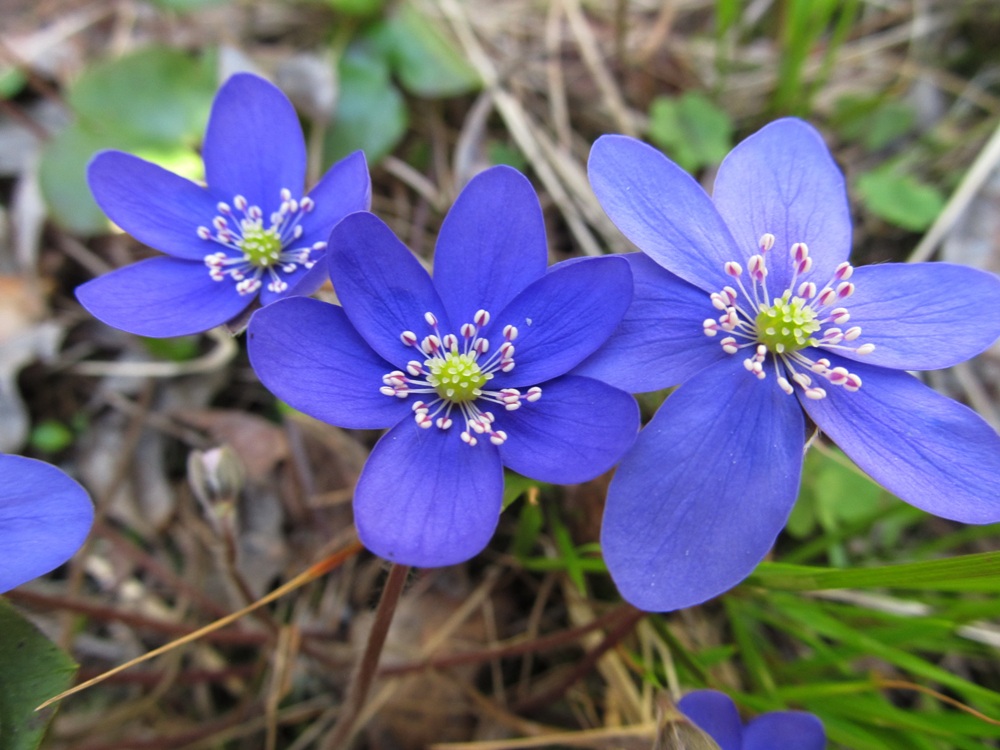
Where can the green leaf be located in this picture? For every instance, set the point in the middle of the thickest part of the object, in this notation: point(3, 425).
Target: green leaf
point(872, 121)
point(980, 572)
point(691, 130)
point(33, 670)
point(529, 525)
point(154, 95)
point(63, 173)
point(51, 436)
point(426, 61)
point(370, 114)
point(176, 349)
point(357, 7)
point(900, 198)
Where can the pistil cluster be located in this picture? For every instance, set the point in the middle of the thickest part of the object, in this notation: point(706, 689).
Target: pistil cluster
point(456, 370)
point(259, 249)
point(782, 326)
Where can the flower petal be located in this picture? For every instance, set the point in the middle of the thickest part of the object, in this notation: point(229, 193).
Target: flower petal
point(382, 286)
point(253, 144)
point(930, 451)
point(578, 429)
point(706, 488)
point(426, 498)
point(308, 354)
point(715, 713)
point(162, 297)
point(491, 244)
point(345, 188)
point(662, 210)
point(44, 518)
point(783, 180)
point(923, 316)
point(660, 341)
point(159, 208)
point(788, 730)
point(564, 317)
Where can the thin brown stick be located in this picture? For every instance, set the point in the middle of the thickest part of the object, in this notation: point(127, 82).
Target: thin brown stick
point(358, 692)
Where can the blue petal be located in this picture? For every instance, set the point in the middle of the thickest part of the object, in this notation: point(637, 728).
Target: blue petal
point(700, 498)
point(162, 297)
point(157, 207)
point(491, 244)
point(923, 316)
point(928, 450)
point(578, 429)
point(426, 498)
point(345, 188)
point(44, 518)
point(307, 354)
point(715, 713)
point(788, 730)
point(662, 210)
point(783, 180)
point(382, 286)
point(564, 317)
point(660, 341)
point(254, 145)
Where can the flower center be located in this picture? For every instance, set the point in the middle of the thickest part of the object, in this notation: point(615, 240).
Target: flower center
point(781, 330)
point(787, 324)
point(250, 249)
point(456, 377)
point(455, 373)
point(261, 247)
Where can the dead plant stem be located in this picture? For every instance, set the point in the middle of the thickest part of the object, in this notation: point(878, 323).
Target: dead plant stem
point(358, 691)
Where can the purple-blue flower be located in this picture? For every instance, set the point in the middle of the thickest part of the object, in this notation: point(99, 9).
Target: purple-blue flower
point(715, 713)
point(747, 300)
point(44, 518)
point(468, 370)
point(249, 233)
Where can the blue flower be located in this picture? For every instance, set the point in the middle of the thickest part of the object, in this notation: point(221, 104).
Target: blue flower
point(44, 518)
point(249, 233)
point(747, 300)
point(468, 369)
point(715, 713)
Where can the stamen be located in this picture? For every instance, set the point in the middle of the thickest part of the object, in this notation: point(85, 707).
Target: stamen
point(457, 378)
point(255, 249)
point(782, 328)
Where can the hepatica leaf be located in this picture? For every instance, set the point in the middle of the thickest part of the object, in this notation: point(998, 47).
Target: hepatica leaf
point(153, 103)
point(425, 60)
point(33, 670)
point(371, 114)
point(690, 129)
point(900, 198)
point(156, 94)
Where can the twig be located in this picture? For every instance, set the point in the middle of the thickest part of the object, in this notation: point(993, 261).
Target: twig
point(355, 701)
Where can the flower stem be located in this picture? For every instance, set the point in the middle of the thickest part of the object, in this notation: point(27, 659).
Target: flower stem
point(344, 728)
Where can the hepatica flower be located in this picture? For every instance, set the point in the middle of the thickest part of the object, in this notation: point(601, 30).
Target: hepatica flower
point(468, 370)
point(747, 299)
point(44, 518)
point(715, 713)
point(250, 233)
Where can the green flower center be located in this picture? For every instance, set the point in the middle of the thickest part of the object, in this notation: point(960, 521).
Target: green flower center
point(261, 247)
point(787, 325)
point(456, 377)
